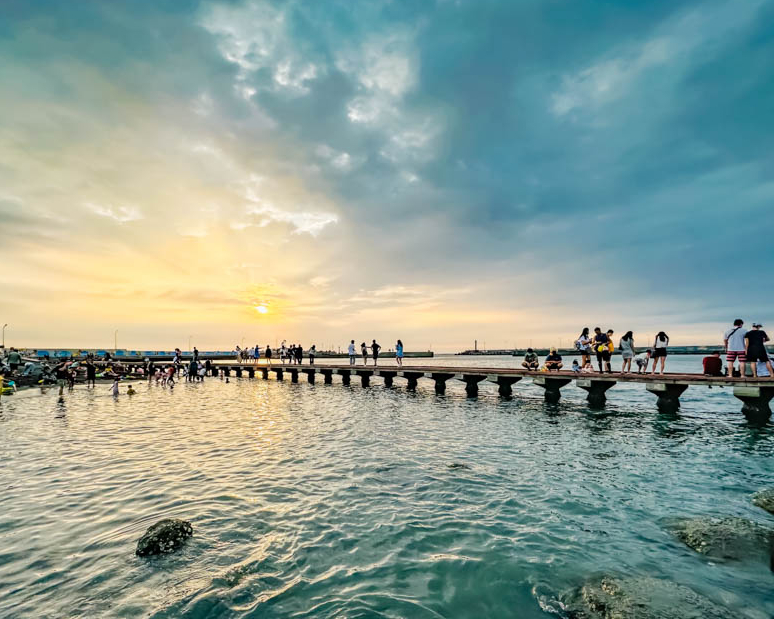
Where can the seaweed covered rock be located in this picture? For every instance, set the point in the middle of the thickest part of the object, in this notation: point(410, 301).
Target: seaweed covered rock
point(164, 537)
point(764, 499)
point(640, 597)
point(725, 539)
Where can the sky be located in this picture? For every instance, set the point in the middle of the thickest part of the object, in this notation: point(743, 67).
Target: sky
point(437, 171)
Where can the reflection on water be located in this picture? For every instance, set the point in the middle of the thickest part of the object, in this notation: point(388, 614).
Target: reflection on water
point(332, 501)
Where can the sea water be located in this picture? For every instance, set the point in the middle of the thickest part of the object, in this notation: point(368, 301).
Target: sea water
point(334, 501)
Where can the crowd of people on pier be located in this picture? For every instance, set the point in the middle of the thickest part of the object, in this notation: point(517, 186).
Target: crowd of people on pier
point(741, 346)
point(294, 353)
point(743, 349)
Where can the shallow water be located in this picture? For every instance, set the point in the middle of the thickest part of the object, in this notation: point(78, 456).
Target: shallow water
point(332, 501)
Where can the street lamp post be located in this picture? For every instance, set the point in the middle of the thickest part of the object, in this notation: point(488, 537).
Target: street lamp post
point(115, 341)
point(4, 326)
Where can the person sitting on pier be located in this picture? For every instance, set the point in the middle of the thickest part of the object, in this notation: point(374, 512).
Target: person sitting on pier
point(712, 365)
point(553, 360)
point(642, 360)
point(531, 361)
point(575, 367)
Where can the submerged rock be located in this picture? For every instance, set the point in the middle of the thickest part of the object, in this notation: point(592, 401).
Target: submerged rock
point(458, 465)
point(725, 539)
point(764, 499)
point(164, 537)
point(640, 597)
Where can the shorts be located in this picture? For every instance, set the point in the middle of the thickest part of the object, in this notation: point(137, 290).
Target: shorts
point(14, 366)
point(659, 352)
point(603, 355)
point(61, 382)
point(732, 355)
point(753, 356)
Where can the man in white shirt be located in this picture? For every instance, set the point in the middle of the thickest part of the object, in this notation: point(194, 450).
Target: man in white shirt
point(735, 347)
point(351, 351)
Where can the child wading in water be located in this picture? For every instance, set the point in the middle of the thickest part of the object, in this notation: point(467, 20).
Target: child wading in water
point(114, 388)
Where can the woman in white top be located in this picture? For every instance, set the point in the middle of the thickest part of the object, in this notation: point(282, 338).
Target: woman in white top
point(626, 346)
point(583, 344)
point(660, 351)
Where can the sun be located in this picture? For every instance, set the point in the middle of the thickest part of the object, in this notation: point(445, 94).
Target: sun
point(262, 309)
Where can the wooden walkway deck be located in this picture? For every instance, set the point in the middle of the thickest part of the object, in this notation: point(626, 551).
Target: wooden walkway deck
point(755, 393)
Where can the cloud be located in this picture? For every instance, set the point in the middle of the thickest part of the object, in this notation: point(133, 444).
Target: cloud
point(122, 214)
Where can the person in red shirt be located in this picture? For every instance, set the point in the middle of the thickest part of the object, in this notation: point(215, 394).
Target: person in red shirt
point(713, 366)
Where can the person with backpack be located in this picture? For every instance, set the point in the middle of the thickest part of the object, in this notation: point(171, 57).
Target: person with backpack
point(583, 346)
point(733, 339)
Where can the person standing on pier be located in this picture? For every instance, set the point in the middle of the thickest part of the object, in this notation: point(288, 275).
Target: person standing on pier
point(312, 353)
point(283, 352)
point(375, 348)
point(660, 351)
point(299, 354)
point(364, 352)
point(268, 354)
point(627, 351)
point(399, 352)
point(195, 354)
point(602, 346)
point(583, 344)
point(735, 347)
point(351, 351)
point(755, 349)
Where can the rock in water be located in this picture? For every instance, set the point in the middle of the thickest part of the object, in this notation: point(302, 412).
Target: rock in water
point(164, 537)
point(765, 499)
point(633, 597)
point(725, 539)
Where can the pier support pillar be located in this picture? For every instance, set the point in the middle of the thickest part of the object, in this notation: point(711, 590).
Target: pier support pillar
point(755, 401)
point(265, 373)
point(309, 376)
point(412, 378)
point(227, 371)
point(365, 377)
point(293, 375)
point(471, 383)
point(251, 372)
point(327, 376)
point(440, 381)
point(388, 377)
point(346, 376)
point(239, 372)
point(668, 395)
point(596, 389)
point(505, 385)
point(552, 386)
point(280, 374)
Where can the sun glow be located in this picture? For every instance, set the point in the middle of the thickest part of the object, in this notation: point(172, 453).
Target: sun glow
point(262, 309)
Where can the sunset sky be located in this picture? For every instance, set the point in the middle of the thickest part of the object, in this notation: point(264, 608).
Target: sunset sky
point(436, 171)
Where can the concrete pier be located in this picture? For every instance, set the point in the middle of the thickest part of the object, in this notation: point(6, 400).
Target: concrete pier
point(552, 386)
point(668, 395)
point(754, 393)
point(596, 389)
point(755, 400)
